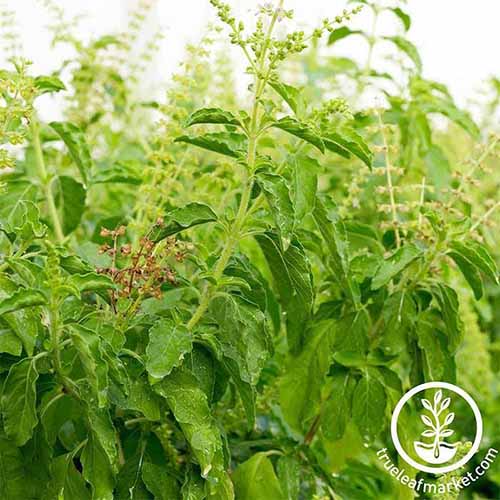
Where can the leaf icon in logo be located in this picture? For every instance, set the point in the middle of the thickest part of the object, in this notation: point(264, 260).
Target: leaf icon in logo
point(426, 404)
point(427, 421)
point(446, 402)
point(428, 433)
point(437, 397)
point(449, 419)
point(447, 433)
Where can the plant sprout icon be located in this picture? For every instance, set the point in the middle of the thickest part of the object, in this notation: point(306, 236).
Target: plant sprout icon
point(438, 451)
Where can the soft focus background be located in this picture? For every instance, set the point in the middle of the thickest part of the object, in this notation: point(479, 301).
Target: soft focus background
point(458, 40)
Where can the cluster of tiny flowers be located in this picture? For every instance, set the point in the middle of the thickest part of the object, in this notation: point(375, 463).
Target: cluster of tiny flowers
point(16, 108)
point(331, 112)
point(142, 271)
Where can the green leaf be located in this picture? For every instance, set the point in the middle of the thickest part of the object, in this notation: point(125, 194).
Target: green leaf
point(105, 41)
point(288, 469)
point(245, 344)
point(143, 399)
point(300, 130)
point(438, 166)
point(48, 84)
point(87, 344)
point(168, 344)
point(22, 299)
point(478, 255)
point(337, 409)
point(305, 185)
point(72, 203)
point(224, 143)
point(67, 482)
point(341, 33)
point(347, 142)
point(300, 387)
point(159, 482)
point(9, 341)
point(446, 107)
point(255, 479)
point(291, 95)
point(408, 48)
point(91, 282)
point(180, 219)
point(351, 333)
point(334, 233)
point(123, 172)
point(396, 263)
point(19, 401)
point(447, 299)
point(23, 222)
point(278, 196)
point(470, 272)
point(77, 146)
point(403, 16)
point(293, 278)
point(212, 115)
point(97, 469)
point(368, 406)
point(13, 475)
point(193, 487)
point(189, 405)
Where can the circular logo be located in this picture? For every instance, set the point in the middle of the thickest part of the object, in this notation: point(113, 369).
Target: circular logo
point(435, 450)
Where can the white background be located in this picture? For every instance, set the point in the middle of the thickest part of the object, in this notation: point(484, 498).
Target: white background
point(458, 40)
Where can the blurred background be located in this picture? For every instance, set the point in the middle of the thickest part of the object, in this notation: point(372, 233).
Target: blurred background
point(458, 40)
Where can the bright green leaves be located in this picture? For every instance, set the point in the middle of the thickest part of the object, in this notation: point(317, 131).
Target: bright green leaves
point(337, 409)
point(189, 405)
point(447, 299)
point(278, 196)
point(180, 219)
point(72, 203)
point(22, 221)
point(19, 401)
point(408, 48)
point(300, 130)
point(473, 258)
point(305, 185)
point(292, 275)
point(255, 479)
point(225, 143)
point(22, 299)
point(168, 344)
point(368, 405)
point(396, 263)
point(77, 146)
point(347, 142)
point(403, 16)
point(49, 84)
point(214, 116)
point(341, 33)
point(291, 95)
point(300, 387)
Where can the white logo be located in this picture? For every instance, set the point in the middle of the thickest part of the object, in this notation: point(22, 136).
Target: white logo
point(436, 446)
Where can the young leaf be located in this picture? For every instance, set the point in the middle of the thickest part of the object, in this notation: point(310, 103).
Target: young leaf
point(180, 219)
point(19, 401)
point(255, 479)
point(292, 275)
point(347, 142)
point(77, 146)
point(48, 84)
point(212, 115)
point(403, 16)
point(72, 203)
point(278, 196)
point(396, 263)
point(291, 95)
point(341, 33)
point(408, 48)
point(300, 130)
point(470, 272)
point(305, 185)
point(224, 143)
point(448, 302)
point(368, 406)
point(168, 344)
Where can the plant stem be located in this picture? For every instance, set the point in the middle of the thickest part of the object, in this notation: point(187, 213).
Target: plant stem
point(46, 181)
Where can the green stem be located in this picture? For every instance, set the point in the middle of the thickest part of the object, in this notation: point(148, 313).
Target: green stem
point(46, 181)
